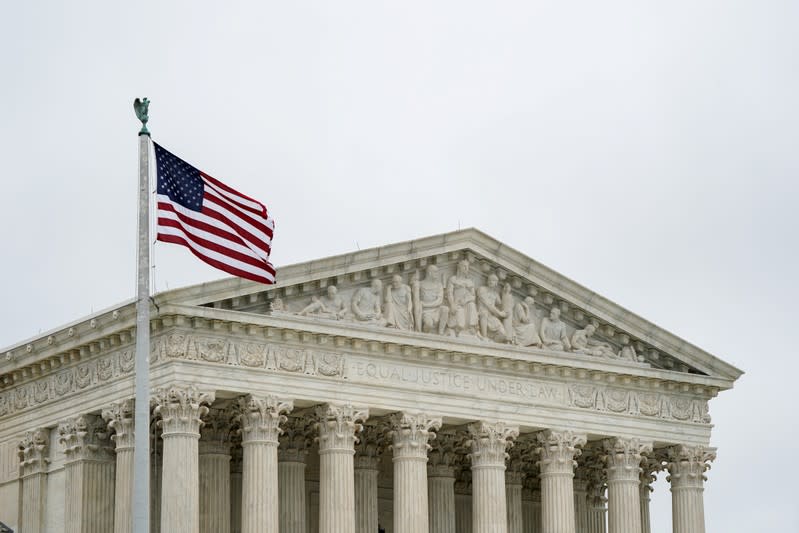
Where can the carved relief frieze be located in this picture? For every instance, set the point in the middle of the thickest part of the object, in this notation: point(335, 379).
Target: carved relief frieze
point(66, 382)
point(466, 298)
point(632, 402)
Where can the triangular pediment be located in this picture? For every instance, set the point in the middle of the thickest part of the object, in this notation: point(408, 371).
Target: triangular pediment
point(463, 285)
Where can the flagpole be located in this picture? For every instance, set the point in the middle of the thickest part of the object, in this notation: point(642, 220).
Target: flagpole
point(141, 453)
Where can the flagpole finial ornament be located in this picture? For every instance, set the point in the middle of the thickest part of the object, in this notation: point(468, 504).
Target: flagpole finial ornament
point(141, 106)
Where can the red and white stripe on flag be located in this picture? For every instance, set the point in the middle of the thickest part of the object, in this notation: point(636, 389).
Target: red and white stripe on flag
point(222, 227)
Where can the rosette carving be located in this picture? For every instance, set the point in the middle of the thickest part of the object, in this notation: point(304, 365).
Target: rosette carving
point(489, 442)
point(557, 450)
point(181, 408)
point(120, 419)
point(85, 437)
point(337, 426)
point(687, 465)
point(260, 418)
point(33, 452)
point(410, 433)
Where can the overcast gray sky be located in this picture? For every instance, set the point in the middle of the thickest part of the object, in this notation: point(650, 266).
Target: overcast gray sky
point(645, 149)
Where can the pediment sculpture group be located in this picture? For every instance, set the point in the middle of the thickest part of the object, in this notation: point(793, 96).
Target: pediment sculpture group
point(459, 308)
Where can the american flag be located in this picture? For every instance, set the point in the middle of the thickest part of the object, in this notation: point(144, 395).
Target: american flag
point(221, 226)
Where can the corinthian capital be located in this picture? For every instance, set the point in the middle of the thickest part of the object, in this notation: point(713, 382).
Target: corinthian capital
point(295, 440)
point(260, 418)
point(181, 408)
point(443, 456)
point(687, 465)
point(410, 433)
point(337, 426)
point(120, 419)
point(557, 450)
point(216, 431)
point(33, 452)
point(489, 442)
point(369, 447)
point(85, 437)
point(623, 458)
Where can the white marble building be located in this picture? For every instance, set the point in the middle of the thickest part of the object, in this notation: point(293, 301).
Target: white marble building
point(448, 384)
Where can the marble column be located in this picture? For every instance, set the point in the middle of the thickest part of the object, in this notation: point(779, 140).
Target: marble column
point(441, 484)
point(292, 454)
point(410, 433)
point(337, 427)
point(214, 471)
point(180, 409)
point(463, 500)
point(34, 449)
point(368, 450)
point(580, 505)
point(260, 418)
point(119, 417)
point(513, 499)
point(236, 469)
point(557, 451)
point(687, 466)
point(650, 466)
point(531, 503)
point(489, 442)
point(88, 475)
point(593, 469)
point(623, 458)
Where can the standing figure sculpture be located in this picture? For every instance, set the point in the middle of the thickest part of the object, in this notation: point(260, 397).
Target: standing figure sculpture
point(582, 342)
point(434, 314)
point(461, 298)
point(489, 311)
point(399, 305)
point(553, 332)
point(366, 304)
point(525, 329)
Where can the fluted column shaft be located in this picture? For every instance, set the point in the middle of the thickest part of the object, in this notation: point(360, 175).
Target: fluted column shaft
point(596, 519)
point(463, 513)
point(644, 498)
point(557, 452)
point(260, 418)
point(366, 510)
point(687, 465)
point(410, 433)
point(34, 449)
point(214, 472)
point(88, 475)
point(580, 505)
point(291, 456)
point(489, 442)
point(180, 409)
point(119, 417)
point(337, 426)
point(441, 494)
point(623, 457)
point(214, 465)
point(236, 460)
point(367, 465)
point(513, 498)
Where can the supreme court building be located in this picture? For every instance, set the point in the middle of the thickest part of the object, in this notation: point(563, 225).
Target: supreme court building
point(447, 384)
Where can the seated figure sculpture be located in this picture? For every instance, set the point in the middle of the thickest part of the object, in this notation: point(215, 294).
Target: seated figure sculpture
point(525, 329)
point(461, 299)
point(553, 332)
point(399, 305)
point(366, 304)
point(489, 312)
point(330, 306)
point(582, 342)
point(429, 294)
